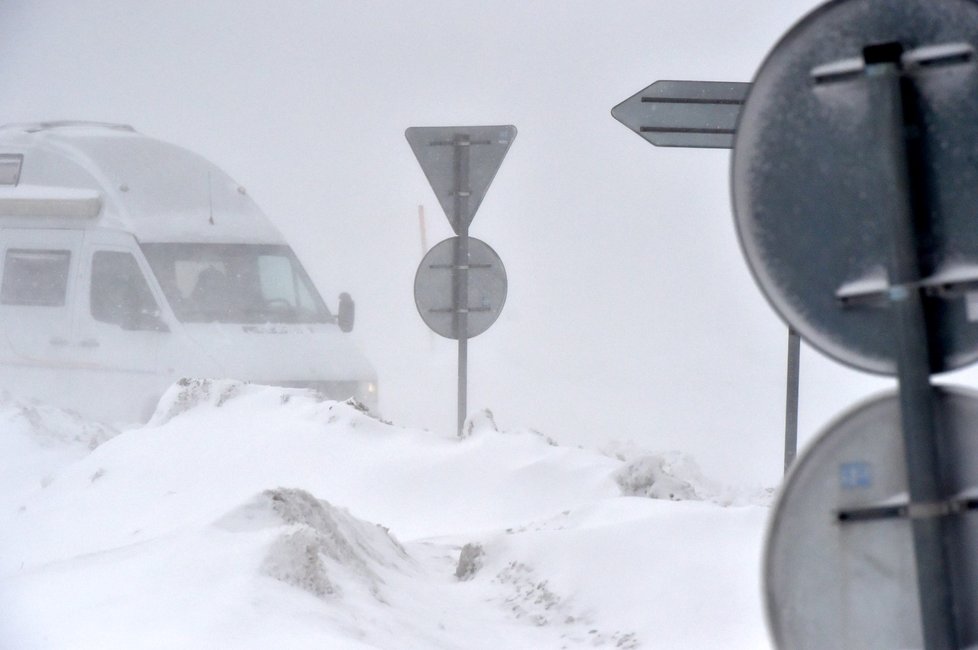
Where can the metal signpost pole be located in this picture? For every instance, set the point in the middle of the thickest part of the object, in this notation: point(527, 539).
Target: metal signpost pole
point(703, 114)
point(791, 399)
point(460, 280)
point(926, 509)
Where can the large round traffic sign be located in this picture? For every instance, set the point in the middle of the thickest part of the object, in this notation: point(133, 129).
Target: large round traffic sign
point(839, 568)
point(434, 289)
point(812, 212)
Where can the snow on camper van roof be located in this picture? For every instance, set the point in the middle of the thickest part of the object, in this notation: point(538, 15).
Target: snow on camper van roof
point(153, 189)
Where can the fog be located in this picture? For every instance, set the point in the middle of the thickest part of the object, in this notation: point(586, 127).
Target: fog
point(631, 315)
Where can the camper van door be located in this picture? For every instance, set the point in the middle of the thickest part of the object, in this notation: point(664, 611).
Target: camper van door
point(120, 331)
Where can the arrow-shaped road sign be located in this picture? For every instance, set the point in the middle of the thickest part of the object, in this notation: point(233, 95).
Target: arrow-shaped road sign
point(685, 113)
point(460, 163)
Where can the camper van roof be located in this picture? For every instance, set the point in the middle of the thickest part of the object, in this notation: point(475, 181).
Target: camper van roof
point(33, 127)
point(156, 190)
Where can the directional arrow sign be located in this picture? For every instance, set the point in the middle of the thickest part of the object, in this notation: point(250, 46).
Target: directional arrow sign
point(685, 113)
point(460, 163)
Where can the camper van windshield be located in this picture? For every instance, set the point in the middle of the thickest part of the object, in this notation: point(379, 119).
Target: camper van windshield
point(235, 283)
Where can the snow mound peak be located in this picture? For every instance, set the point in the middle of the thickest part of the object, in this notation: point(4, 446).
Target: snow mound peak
point(675, 476)
point(49, 426)
point(189, 393)
point(37, 442)
point(199, 395)
point(484, 423)
point(672, 477)
point(478, 422)
point(319, 548)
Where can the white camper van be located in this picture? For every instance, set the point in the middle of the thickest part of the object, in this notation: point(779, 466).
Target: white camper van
point(128, 263)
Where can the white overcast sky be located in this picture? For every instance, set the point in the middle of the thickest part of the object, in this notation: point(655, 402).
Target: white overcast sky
point(631, 314)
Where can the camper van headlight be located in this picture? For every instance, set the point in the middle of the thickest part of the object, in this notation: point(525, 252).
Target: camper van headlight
point(367, 394)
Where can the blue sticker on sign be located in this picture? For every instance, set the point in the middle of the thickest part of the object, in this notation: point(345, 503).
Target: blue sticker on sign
point(855, 475)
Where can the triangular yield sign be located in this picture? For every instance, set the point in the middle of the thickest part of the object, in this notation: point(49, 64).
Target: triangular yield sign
point(460, 163)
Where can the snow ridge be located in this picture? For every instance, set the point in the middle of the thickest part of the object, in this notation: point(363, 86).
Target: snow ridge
point(319, 547)
point(498, 539)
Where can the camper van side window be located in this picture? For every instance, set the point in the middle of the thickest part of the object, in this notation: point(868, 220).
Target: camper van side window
point(120, 294)
point(35, 277)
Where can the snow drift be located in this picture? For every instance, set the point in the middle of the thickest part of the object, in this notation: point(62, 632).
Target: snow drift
point(246, 516)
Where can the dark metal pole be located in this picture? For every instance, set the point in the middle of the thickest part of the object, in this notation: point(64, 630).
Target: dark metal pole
point(460, 278)
point(919, 426)
point(791, 400)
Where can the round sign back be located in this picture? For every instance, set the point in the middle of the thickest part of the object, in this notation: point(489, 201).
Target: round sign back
point(434, 288)
point(812, 211)
point(839, 568)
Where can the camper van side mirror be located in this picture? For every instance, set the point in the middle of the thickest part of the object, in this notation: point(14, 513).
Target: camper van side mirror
point(346, 314)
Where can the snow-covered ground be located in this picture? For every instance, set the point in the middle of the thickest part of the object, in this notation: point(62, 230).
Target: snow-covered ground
point(246, 516)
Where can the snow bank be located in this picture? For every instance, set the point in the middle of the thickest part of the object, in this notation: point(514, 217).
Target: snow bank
point(675, 476)
point(320, 548)
point(181, 534)
point(633, 572)
point(36, 441)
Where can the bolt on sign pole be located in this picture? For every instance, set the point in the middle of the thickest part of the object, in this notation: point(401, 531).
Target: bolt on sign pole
point(460, 164)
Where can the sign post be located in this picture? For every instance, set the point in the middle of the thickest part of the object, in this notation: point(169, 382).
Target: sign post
point(461, 145)
point(876, 187)
point(854, 186)
point(460, 164)
point(703, 115)
point(791, 400)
